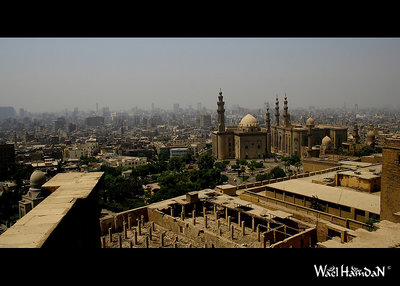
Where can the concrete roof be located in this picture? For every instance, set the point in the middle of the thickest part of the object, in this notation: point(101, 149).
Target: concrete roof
point(32, 230)
point(386, 236)
point(341, 196)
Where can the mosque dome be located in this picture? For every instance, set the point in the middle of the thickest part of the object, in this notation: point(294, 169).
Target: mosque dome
point(310, 122)
point(248, 121)
point(37, 179)
point(326, 141)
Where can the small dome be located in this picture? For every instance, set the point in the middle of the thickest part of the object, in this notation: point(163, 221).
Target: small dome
point(371, 134)
point(248, 121)
point(310, 122)
point(326, 141)
point(37, 179)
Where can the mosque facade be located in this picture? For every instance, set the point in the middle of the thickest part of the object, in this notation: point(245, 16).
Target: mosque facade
point(248, 140)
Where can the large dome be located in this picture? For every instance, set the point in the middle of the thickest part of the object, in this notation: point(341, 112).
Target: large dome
point(248, 121)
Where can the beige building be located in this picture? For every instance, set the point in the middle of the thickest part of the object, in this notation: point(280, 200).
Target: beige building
point(246, 141)
point(249, 141)
point(290, 138)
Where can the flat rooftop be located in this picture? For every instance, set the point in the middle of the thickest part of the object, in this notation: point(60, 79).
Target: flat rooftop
point(32, 230)
point(386, 236)
point(338, 195)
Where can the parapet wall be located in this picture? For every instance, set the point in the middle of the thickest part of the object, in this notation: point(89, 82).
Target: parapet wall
point(298, 176)
point(116, 222)
point(200, 235)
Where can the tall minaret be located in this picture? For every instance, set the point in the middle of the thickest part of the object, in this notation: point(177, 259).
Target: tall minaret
point(277, 111)
point(221, 112)
point(286, 116)
point(268, 127)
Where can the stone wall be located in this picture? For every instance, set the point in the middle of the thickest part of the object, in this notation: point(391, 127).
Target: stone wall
point(300, 240)
point(200, 235)
point(390, 181)
point(116, 222)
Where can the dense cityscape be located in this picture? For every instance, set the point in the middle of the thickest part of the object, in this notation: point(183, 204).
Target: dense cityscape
point(138, 148)
point(232, 169)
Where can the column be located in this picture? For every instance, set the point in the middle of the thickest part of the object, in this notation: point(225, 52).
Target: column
point(139, 225)
point(243, 228)
point(129, 221)
point(134, 236)
point(125, 231)
point(229, 222)
point(150, 233)
point(205, 221)
point(110, 234)
point(183, 213)
point(194, 216)
point(238, 218)
point(115, 224)
point(264, 239)
point(162, 239)
point(258, 232)
point(119, 241)
point(253, 224)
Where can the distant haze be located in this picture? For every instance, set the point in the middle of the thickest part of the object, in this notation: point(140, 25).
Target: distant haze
point(53, 74)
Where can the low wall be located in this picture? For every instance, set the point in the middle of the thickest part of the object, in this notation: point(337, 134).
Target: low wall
point(300, 240)
point(271, 181)
point(116, 222)
point(345, 222)
point(200, 235)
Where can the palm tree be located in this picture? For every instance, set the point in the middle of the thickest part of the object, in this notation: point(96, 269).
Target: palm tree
point(298, 165)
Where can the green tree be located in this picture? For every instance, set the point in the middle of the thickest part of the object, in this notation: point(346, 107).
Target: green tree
point(263, 177)
point(163, 156)
point(298, 165)
point(176, 164)
point(205, 161)
point(277, 172)
point(252, 166)
point(220, 166)
point(317, 204)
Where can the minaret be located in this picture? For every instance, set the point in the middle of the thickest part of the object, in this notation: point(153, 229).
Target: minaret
point(277, 111)
point(268, 127)
point(286, 116)
point(221, 113)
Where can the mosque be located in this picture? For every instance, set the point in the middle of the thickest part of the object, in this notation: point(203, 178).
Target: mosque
point(285, 138)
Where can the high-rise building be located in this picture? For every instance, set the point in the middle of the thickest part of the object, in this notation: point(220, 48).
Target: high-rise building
point(7, 111)
point(176, 107)
point(205, 120)
point(95, 121)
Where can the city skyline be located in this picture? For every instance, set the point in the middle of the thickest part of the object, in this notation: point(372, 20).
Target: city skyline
point(51, 74)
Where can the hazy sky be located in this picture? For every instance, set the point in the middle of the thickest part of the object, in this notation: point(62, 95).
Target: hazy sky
point(51, 74)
